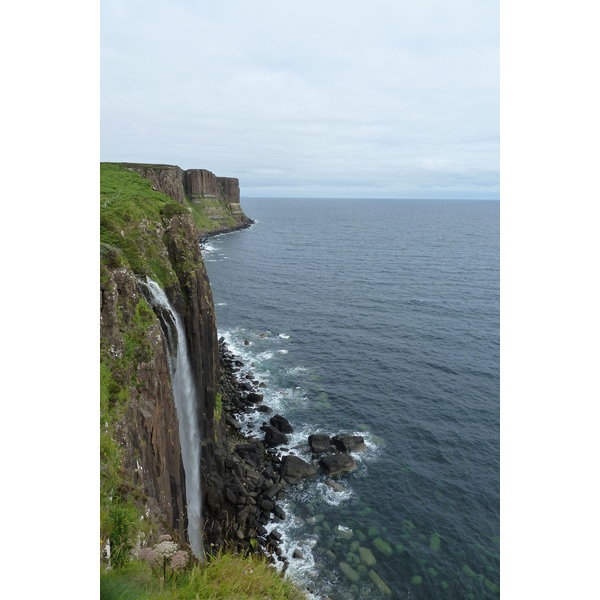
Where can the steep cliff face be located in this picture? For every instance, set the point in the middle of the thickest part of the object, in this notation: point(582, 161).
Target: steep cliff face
point(144, 233)
point(215, 201)
point(147, 429)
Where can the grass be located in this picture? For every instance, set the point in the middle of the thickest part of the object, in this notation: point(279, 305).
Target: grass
point(225, 576)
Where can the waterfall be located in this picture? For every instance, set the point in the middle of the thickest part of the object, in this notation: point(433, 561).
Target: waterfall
point(184, 392)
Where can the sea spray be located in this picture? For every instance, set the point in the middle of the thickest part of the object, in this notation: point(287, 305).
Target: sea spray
point(184, 392)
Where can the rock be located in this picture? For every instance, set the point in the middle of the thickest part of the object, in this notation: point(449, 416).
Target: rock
point(281, 423)
point(273, 491)
point(297, 554)
point(385, 590)
point(349, 443)
point(246, 343)
point(333, 485)
point(263, 408)
point(319, 443)
point(316, 519)
point(349, 572)
point(262, 384)
point(382, 546)
point(232, 423)
point(274, 437)
point(251, 451)
point(254, 397)
point(366, 556)
point(334, 464)
point(293, 469)
point(279, 512)
point(344, 532)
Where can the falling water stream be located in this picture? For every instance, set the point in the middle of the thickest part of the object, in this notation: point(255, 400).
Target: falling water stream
point(184, 392)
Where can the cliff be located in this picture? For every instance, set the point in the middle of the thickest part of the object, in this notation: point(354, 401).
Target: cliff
point(147, 233)
point(215, 201)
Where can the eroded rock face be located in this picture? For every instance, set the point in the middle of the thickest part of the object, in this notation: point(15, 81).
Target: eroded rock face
point(149, 431)
point(167, 179)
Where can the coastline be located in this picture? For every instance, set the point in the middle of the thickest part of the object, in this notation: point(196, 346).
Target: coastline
point(205, 235)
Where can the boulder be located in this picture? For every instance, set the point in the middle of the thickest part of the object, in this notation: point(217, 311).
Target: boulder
point(366, 556)
point(349, 572)
point(254, 397)
point(334, 464)
point(281, 423)
point(274, 437)
point(384, 589)
point(293, 469)
point(333, 485)
point(320, 443)
point(349, 443)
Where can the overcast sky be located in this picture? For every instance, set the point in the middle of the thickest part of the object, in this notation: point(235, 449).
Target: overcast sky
point(373, 99)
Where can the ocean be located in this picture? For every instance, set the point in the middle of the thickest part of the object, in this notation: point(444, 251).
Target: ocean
point(379, 318)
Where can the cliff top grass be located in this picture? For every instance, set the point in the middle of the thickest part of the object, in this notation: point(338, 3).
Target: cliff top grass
point(131, 214)
point(226, 576)
point(128, 204)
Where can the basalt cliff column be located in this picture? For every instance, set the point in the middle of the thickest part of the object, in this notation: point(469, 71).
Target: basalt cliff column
point(141, 420)
point(215, 200)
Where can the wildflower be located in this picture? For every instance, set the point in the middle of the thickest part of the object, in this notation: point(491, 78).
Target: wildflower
point(166, 549)
point(150, 555)
point(179, 560)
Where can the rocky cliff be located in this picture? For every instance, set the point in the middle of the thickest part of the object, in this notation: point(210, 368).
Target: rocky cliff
point(147, 233)
point(215, 201)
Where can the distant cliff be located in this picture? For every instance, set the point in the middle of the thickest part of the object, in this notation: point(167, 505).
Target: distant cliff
point(215, 201)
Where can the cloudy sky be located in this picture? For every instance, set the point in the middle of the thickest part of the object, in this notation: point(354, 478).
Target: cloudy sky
point(396, 99)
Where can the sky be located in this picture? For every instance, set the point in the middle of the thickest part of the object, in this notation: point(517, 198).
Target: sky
point(392, 99)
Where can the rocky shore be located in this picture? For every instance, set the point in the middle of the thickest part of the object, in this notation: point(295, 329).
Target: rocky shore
point(205, 235)
point(260, 470)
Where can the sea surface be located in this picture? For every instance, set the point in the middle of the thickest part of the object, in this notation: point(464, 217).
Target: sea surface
point(378, 318)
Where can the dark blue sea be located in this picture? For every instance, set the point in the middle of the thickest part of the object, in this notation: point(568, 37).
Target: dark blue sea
point(378, 318)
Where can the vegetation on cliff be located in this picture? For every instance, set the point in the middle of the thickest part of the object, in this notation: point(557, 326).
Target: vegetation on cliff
point(225, 576)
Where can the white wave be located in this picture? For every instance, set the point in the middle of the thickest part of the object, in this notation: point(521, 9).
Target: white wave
point(331, 497)
point(284, 336)
point(221, 303)
point(207, 248)
point(301, 571)
point(282, 351)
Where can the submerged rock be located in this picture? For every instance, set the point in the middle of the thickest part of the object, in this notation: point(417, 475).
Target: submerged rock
point(383, 588)
point(349, 572)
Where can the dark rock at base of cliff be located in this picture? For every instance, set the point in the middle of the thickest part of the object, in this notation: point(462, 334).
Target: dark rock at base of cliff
point(254, 398)
point(319, 443)
point(254, 451)
point(263, 408)
point(293, 469)
point(334, 464)
point(274, 437)
point(281, 423)
point(349, 443)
